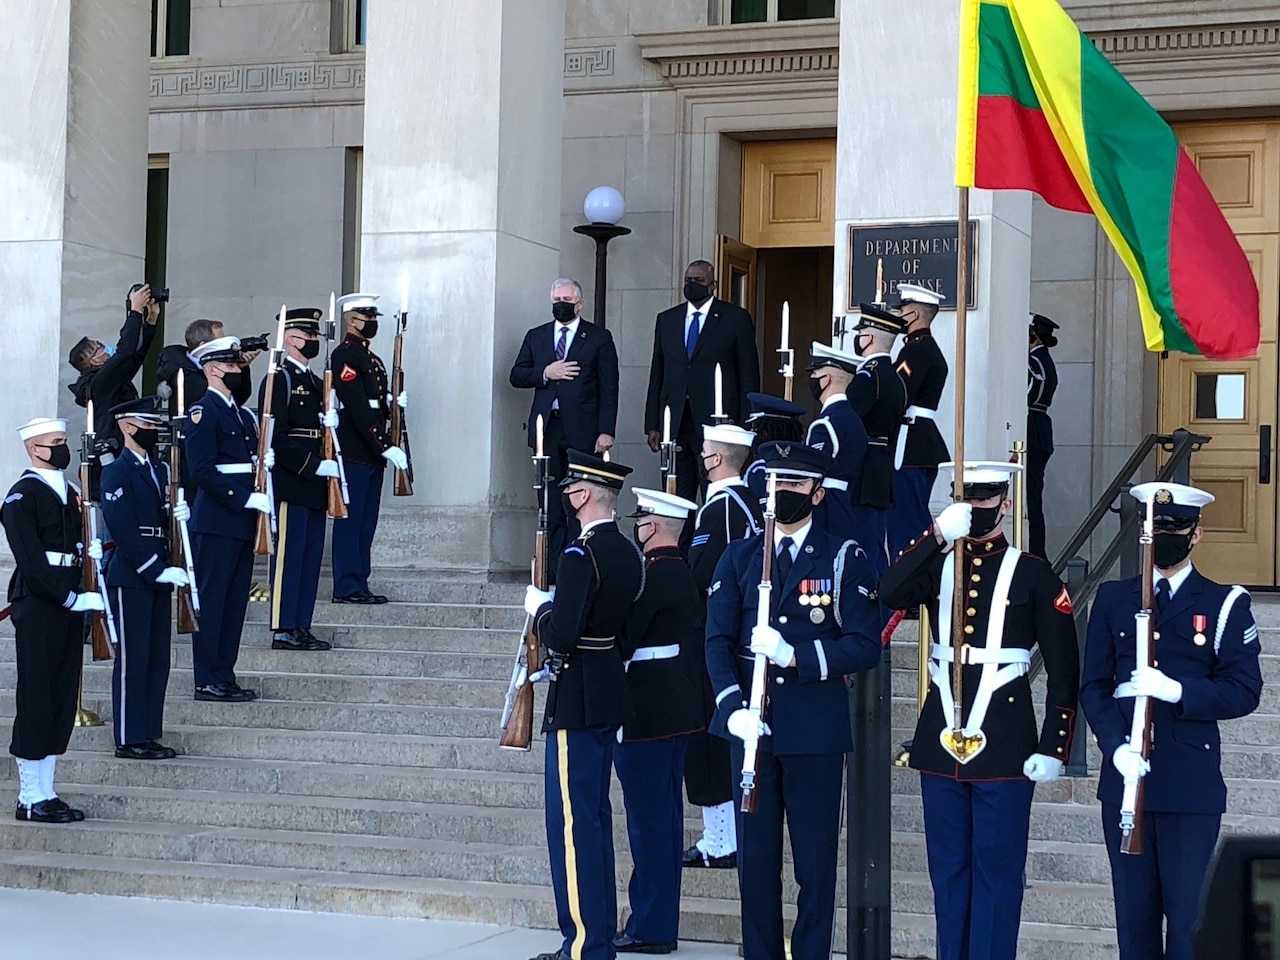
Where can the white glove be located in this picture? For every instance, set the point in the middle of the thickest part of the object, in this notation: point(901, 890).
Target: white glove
point(270, 460)
point(174, 577)
point(181, 511)
point(402, 401)
point(1129, 763)
point(329, 419)
point(1041, 769)
point(95, 549)
point(535, 598)
point(258, 501)
point(954, 522)
point(769, 642)
point(743, 725)
point(88, 601)
point(327, 468)
point(1150, 682)
point(395, 456)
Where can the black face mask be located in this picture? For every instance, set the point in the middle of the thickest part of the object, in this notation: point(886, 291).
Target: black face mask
point(696, 292)
point(570, 511)
point(792, 506)
point(310, 349)
point(147, 439)
point(704, 474)
point(858, 348)
point(563, 312)
point(59, 457)
point(370, 328)
point(985, 520)
point(635, 534)
point(815, 387)
point(232, 381)
point(1172, 548)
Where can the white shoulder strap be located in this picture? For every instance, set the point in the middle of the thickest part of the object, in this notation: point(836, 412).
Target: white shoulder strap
point(1234, 594)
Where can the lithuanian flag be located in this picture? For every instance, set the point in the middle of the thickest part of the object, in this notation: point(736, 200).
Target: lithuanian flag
point(1042, 110)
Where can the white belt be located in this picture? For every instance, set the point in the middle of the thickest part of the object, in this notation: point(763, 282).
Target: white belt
point(60, 559)
point(911, 416)
point(834, 484)
point(235, 468)
point(373, 404)
point(669, 652)
point(976, 655)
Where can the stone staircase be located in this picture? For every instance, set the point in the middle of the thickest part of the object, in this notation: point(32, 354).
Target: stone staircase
point(368, 780)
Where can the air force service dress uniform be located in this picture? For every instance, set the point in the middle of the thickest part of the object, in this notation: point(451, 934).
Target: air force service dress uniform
point(364, 418)
point(1042, 384)
point(599, 576)
point(663, 647)
point(920, 447)
point(731, 513)
point(1206, 648)
point(301, 497)
point(824, 609)
point(977, 795)
point(221, 443)
point(135, 508)
point(772, 418)
point(879, 398)
point(838, 431)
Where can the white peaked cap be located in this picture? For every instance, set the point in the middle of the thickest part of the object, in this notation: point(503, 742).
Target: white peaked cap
point(659, 503)
point(224, 348)
point(1178, 494)
point(914, 293)
point(40, 426)
point(728, 433)
point(985, 471)
point(357, 301)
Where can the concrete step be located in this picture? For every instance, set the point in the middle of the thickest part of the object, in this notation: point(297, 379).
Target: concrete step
point(409, 614)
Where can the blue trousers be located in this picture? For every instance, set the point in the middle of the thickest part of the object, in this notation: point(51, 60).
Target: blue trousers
point(1162, 884)
point(652, 776)
point(909, 514)
point(807, 790)
point(353, 537)
point(579, 764)
point(976, 840)
point(224, 573)
point(871, 526)
point(141, 671)
point(295, 565)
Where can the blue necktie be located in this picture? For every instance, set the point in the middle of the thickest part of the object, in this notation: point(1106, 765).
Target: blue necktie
point(784, 561)
point(562, 345)
point(1162, 595)
point(691, 338)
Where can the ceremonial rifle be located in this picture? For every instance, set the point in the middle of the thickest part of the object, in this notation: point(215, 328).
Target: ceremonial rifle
point(759, 701)
point(338, 496)
point(102, 628)
point(262, 544)
point(788, 353)
point(1133, 800)
point(517, 712)
point(667, 454)
point(188, 597)
point(402, 480)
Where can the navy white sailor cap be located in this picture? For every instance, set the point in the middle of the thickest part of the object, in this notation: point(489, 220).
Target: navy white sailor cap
point(658, 503)
point(40, 426)
point(828, 356)
point(727, 433)
point(366, 303)
point(1175, 504)
point(914, 293)
point(224, 348)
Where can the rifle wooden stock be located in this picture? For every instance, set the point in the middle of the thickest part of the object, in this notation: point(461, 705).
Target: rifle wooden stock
point(1132, 838)
point(99, 636)
point(517, 734)
point(401, 480)
point(759, 702)
point(337, 508)
point(262, 546)
point(188, 622)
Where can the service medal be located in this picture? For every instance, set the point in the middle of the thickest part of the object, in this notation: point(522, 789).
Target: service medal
point(805, 599)
point(817, 614)
point(1199, 623)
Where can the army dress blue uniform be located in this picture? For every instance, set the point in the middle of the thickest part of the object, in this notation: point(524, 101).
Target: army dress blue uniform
point(1207, 641)
point(662, 644)
point(135, 508)
point(1042, 385)
point(824, 607)
point(977, 813)
point(220, 446)
point(599, 576)
point(301, 497)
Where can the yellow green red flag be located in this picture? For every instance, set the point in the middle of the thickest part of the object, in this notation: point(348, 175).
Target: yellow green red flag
point(1042, 109)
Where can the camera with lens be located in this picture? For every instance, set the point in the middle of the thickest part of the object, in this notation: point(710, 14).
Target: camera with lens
point(260, 342)
point(160, 294)
point(94, 448)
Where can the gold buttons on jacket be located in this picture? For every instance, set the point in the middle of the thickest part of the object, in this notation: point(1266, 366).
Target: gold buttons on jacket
point(973, 594)
point(968, 628)
point(971, 612)
point(977, 561)
point(976, 578)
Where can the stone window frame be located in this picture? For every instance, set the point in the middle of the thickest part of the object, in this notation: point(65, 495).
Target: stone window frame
point(722, 13)
point(160, 32)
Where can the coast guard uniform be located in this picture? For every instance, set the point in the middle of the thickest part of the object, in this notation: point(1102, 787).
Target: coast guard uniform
point(663, 647)
point(825, 624)
point(977, 793)
point(732, 512)
point(599, 576)
point(879, 398)
point(920, 447)
point(1206, 670)
point(1042, 384)
point(221, 445)
point(838, 431)
point(772, 418)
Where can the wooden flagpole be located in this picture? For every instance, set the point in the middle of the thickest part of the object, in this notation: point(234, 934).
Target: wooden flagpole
point(957, 492)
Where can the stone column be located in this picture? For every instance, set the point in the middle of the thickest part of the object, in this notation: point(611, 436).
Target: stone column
point(896, 162)
point(463, 126)
point(73, 173)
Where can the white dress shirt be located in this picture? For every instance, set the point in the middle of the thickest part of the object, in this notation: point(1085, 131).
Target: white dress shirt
point(702, 318)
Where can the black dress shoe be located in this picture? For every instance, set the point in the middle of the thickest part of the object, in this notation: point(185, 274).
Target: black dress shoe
point(57, 803)
point(693, 857)
point(550, 956)
point(169, 752)
point(297, 640)
point(46, 811)
point(625, 944)
point(306, 632)
point(356, 598)
point(222, 693)
point(241, 691)
point(140, 751)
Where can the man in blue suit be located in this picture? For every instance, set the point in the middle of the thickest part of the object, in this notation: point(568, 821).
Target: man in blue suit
point(140, 578)
point(838, 431)
point(824, 624)
point(221, 441)
point(571, 365)
point(1206, 670)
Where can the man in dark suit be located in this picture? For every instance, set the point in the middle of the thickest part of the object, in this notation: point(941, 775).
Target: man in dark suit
point(572, 367)
point(689, 341)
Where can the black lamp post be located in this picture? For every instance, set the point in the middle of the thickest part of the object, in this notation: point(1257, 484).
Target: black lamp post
point(604, 207)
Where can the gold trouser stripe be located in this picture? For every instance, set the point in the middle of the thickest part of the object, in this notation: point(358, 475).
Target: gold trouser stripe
point(282, 528)
point(570, 855)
